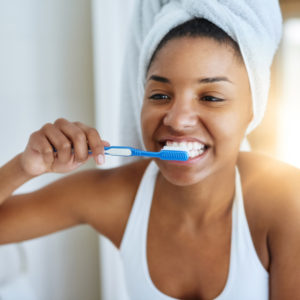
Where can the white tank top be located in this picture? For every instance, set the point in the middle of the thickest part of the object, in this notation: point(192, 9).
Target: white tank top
point(247, 278)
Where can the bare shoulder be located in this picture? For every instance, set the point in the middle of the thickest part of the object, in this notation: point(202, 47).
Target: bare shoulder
point(272, 198)
point(271, 186)
point(107, 197)
point(269, 179)
point(273, 203)
point(112, 183)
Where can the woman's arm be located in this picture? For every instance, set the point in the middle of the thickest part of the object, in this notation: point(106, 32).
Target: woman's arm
point(12, 176)
point(82, 197)
point(56, 206)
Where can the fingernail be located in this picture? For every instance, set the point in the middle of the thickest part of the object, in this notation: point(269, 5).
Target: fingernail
point(100, 159)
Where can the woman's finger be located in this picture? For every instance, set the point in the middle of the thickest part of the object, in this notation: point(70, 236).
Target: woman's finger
point(59, 141)
point(96, 144)
point(39, 143)
point(77, 138)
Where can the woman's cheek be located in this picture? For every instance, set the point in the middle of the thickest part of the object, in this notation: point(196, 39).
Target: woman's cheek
point(150, 114)
point(147, 122)
point(144, 116)
point(226, 130)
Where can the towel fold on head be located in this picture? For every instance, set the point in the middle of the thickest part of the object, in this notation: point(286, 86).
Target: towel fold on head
point(255, 25)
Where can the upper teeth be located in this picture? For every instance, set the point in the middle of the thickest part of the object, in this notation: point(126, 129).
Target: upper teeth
point(194, 148)
point(188, 145)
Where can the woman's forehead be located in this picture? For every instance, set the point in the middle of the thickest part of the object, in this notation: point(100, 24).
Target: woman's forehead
point(201, 57)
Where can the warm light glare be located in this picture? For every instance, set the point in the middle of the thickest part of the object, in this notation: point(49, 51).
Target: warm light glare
point(289, 135)
point(292, 31)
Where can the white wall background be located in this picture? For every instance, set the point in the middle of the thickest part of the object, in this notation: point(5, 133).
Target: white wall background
point(46, 71)
point(110, 28)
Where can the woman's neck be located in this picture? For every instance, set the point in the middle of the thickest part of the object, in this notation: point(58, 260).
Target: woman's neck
point(207, 200)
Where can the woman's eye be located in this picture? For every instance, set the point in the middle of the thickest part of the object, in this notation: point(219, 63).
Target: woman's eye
point(159, 97)
point(212, 99)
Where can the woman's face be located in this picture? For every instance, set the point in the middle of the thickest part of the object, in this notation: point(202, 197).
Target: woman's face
point(197, 93)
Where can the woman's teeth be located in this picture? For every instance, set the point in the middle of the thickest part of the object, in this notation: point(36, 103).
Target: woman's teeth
point(194, 148)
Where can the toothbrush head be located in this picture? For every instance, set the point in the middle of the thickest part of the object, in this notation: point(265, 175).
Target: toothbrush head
point(174, 153)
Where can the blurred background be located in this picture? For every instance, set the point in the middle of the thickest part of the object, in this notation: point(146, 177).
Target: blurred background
point(62, 58)
point(278, 135)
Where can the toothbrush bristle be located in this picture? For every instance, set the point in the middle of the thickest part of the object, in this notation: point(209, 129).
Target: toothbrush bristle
point(174, 154)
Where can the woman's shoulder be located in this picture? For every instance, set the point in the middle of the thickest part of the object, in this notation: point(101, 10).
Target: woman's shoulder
point(271, 189)
point(117, 185)
point(112, 193)
point(272, 205)
point(121, 178)
point(268, 176)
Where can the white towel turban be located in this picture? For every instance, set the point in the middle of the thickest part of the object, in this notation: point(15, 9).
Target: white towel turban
point(255, 25)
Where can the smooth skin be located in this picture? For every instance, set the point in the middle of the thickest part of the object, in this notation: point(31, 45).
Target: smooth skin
point(196, 89)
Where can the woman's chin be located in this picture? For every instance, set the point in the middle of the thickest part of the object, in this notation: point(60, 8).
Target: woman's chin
point(186, 173)
point(182, 177)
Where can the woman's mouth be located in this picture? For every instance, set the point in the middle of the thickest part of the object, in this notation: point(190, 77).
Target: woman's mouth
point(194, 148)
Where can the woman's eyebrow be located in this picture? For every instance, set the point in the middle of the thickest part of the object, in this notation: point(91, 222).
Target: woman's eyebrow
point(214, 79)
point(159, 79)
point(200, 80)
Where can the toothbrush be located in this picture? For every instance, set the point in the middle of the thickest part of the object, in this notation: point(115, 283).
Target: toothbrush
point(167, 153)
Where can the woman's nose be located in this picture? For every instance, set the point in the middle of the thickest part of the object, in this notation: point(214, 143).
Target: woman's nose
point(181, 115)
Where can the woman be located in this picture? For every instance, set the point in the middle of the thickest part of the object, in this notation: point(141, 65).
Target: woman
point(216, 226)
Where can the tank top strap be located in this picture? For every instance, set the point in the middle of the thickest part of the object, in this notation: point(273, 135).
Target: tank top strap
point(245, 248)
point(140, 211)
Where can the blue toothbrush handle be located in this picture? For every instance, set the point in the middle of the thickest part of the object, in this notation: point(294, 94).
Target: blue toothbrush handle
point(138, 152)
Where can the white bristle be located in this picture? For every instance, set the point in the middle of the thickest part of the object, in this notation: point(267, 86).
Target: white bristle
point(177, 148)
point(118, 151)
